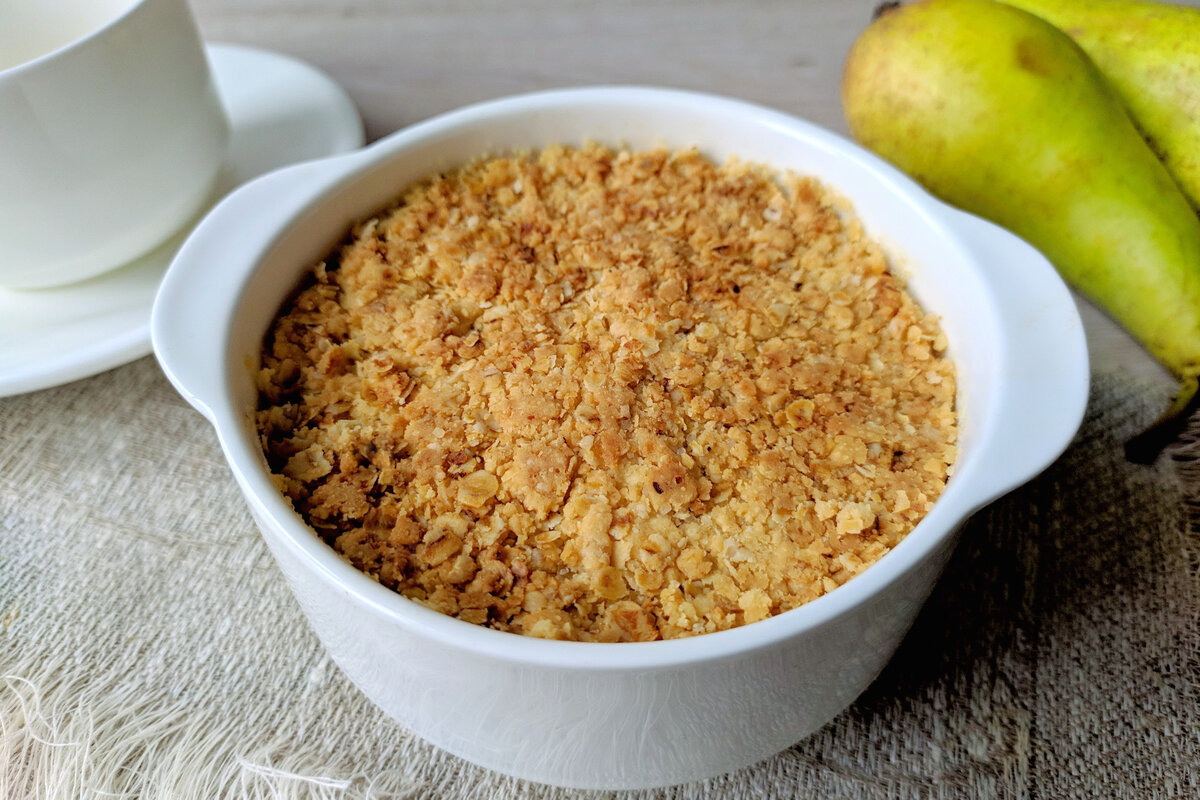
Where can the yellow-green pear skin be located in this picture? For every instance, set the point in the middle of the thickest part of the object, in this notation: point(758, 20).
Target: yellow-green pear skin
point(1150, 54)
point(1001, 114)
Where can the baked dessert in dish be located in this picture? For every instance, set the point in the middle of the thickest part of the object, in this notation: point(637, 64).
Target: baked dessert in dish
point(604, 395)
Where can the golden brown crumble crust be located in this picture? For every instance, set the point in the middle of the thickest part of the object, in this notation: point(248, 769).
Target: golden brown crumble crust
point(608, 396)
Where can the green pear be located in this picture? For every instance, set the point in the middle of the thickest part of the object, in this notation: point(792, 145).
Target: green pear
point(1000, 113)
point(1150, 54)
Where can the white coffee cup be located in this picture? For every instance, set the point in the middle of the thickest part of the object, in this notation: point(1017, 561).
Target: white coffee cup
point(111, 134)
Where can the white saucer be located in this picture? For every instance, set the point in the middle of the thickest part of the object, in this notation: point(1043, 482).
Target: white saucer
point(281, 111)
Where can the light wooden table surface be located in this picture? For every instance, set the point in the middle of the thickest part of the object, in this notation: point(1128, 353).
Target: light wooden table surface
point(403, 61)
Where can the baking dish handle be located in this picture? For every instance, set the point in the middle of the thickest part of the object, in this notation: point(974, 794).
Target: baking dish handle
point(1043, 369)
point(199, 290)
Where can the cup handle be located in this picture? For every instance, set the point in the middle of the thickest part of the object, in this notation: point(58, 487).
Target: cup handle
point(1043, 369)
point(198, 294)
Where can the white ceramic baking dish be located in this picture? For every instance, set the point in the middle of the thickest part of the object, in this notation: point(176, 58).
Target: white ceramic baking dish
point(626, 715)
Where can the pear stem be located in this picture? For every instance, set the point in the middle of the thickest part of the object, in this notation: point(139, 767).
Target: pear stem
point(884, 8)
point(1145, 447)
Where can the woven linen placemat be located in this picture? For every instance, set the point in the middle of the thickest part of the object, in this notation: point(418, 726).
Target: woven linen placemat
point(150, 649)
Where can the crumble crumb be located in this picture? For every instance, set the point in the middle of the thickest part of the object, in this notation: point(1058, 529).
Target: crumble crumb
point(608, 396)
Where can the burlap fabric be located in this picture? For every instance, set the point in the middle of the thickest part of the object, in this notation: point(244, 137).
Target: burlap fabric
point(149, 648)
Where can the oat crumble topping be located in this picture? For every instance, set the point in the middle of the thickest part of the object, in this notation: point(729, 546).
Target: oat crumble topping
point(608, 396)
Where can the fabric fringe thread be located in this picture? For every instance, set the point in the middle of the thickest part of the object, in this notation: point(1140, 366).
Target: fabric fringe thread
point(76, 737)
